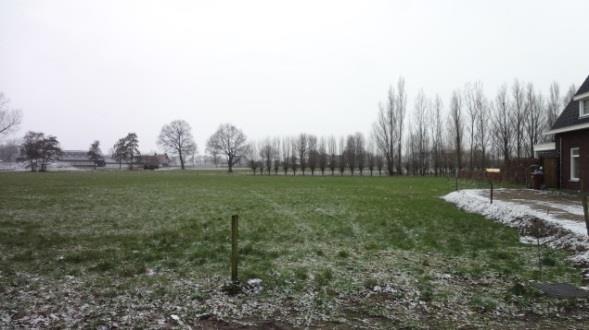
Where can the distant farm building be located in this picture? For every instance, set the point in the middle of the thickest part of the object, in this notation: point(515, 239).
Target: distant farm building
point(78, 158)
point(154, 161)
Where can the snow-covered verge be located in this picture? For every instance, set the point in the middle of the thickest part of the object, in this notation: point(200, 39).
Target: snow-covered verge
point(556, 232)
point(22, 167)
point(13, 167)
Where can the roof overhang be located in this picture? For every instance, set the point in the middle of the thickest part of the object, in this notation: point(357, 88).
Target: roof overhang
point(545, 146)
point(567, 129)
point(581, 96)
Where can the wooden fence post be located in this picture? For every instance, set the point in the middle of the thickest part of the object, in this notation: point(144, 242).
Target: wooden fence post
point(234, 250)
point(492, 173)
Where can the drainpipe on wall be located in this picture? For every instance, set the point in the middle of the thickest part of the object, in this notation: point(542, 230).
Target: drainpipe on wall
point(559, 162)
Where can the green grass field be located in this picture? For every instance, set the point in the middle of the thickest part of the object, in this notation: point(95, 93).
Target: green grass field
point(89, 249)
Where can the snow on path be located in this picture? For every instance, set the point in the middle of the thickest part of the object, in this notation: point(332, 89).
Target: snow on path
point(572, 209)
point(565, 234)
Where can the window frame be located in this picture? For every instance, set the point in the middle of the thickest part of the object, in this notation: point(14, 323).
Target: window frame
point(572, 157)
point(583, 111)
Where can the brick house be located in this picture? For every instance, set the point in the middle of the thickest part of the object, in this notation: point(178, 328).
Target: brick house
point(155, 161)
point(571, 137)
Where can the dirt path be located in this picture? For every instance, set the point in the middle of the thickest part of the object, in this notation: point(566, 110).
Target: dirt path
point(558, 205)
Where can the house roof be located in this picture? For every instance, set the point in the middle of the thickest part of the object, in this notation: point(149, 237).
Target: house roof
point(70, 155)
point(584, 88)
point(161, 158)
point(569, 119)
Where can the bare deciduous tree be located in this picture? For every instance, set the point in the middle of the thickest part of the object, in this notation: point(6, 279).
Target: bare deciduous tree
point(401, 109)
point(286, 154)
point(350, 153)
point(176, 138)
point(323, 156)
point(293, 156)
point(267, 154)
point(332, 149)
point(277, 154)
point(229, 141)
point(385, 130)
point(554, 105)
point(457, 124)
point(341, 159)
point(379, 161)
point(482, 130)
point(370, 159)
point(10, 118)
point(252, 158)
point(533, 124)
point(360, 150)
point(313, 153)
point(437, 135)
point(473, 95)
point(302, 145)
point(421, 130)
point(502, 126)
point(518, 116)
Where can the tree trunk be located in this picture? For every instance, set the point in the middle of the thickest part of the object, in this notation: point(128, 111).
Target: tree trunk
point(181, 159)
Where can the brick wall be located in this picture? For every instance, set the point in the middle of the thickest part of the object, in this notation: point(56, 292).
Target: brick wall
point(564, 143)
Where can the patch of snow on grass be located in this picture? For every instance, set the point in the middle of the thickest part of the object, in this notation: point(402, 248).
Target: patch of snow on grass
point(572, 209)
point(560, 233)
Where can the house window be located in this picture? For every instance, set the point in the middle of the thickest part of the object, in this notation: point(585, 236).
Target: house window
point(584, 108)
point(575, 164)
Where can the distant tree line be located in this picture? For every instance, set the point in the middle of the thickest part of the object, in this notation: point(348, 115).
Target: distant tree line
point(309, 154)
point(473, 132)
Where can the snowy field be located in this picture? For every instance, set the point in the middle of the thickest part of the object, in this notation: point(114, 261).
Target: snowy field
point(150, 249)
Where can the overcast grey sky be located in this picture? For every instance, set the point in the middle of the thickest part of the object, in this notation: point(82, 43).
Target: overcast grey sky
point(86, 70)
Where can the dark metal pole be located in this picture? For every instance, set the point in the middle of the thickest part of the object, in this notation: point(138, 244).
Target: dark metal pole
point(456, 179)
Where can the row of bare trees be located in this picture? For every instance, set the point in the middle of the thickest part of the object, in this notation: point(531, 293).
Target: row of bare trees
point(309, 154)
point(473, 132)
